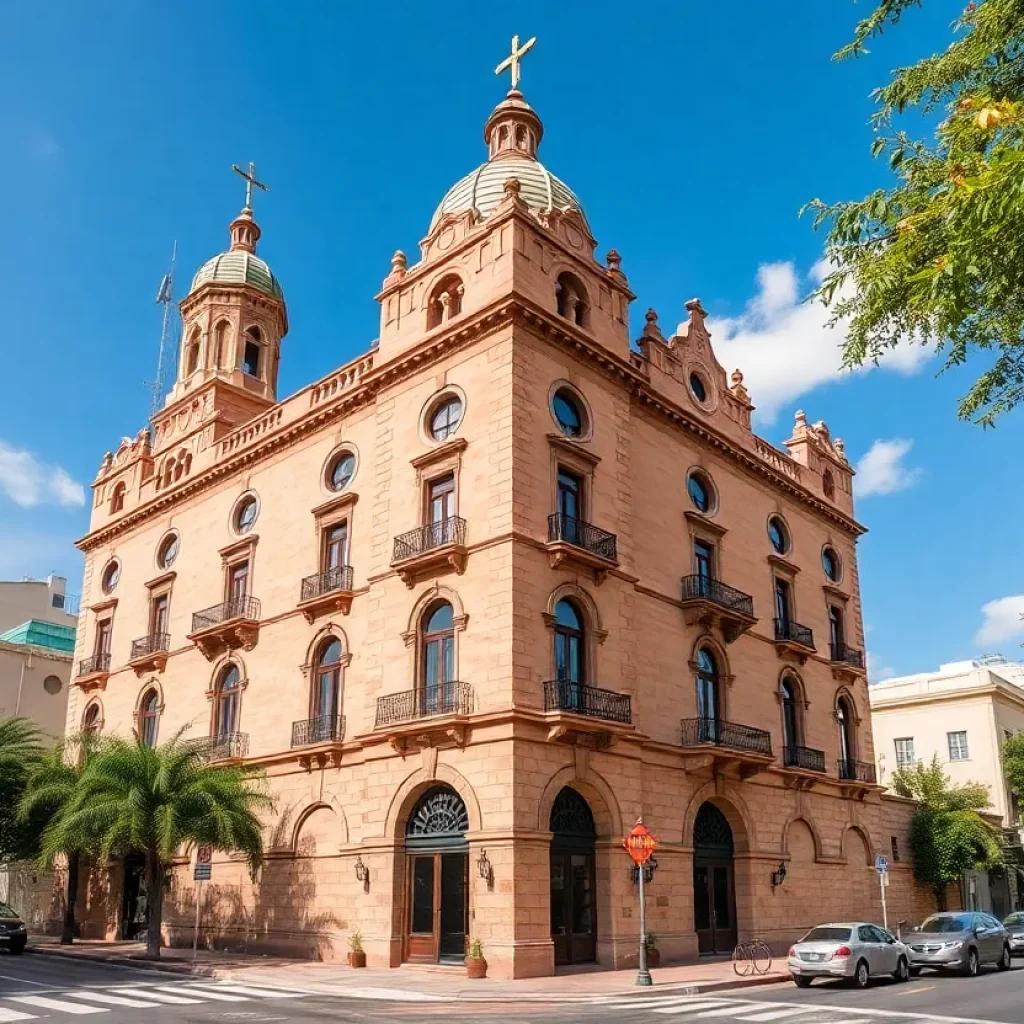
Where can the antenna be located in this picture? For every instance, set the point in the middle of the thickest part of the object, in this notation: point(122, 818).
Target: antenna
point(165, 298)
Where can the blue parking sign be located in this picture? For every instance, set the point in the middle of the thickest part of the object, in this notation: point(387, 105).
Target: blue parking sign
point(881, 864)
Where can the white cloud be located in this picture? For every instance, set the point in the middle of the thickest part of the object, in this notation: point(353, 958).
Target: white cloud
point(1001, 621)
point(881, 469)
point(29, 482)
point(878, 670)
point(784, 346)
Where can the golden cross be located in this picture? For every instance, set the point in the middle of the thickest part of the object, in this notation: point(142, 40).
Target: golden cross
point(250, 180)
point(512, 60)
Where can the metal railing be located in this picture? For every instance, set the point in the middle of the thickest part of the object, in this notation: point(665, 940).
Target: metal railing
point(579, 699)
point(794, 632)
point(804, 757)
point(235, 608)
point(703, 588)
point(847, 655)
point(228, 746)
point(582, 535)
point(152, 644)
point(433, 535)
point(426, 702)
point(338, 577)
point(720, 733)
point(857, 771)
point(323, 729)
point(97, 663)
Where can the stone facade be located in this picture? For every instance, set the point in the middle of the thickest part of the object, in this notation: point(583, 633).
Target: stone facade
point(504, 365)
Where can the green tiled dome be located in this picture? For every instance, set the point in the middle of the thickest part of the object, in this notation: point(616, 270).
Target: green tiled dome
point(238, 267)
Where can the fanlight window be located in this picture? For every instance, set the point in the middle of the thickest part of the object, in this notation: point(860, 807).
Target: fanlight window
point(571, 815)
point(440, 812)
point(711, 830)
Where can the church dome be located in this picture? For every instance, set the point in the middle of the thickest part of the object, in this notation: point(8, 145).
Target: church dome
point(238, 267)
point(512, 133)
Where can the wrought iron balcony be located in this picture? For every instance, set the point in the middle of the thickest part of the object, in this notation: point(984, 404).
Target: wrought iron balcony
point(703, 588)
point(229, 746)
point(589, 701)
point(426, 702)
point(339, 577)
point(145, 646)
point(857, 771)
point(807, 758)
point(99, 662)
point(717, 732)
point(844, 655)
point(788, 631)
point(246, 607)
point(427, 538)
point(323, 729)
point(570, 530)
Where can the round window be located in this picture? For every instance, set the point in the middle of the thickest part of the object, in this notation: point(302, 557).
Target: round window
point(699, 488)
point(445, 418)
point(830, 563)
point(168, 551)
point(52, 685)
point(567, 413)
point(778, 535)
point(700, 392)
point(245, 513)
point(111, 576)
point(343, 468)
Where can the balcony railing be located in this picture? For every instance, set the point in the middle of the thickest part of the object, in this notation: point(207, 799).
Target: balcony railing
point(702, 588)
point(579, 699)
point(794, 633)
point(847, 655)
point(155, 643)
point(97, 663)
point(323, 729)
point(583, 535)
point(720, 733)
point(857, 771)
point(339, 577)
point(426, 702)
point(804, 757)
point(228, 746)
point(235, 608)
point(425, 538)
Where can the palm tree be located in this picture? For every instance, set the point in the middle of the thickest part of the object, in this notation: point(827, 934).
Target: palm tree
point(154, 800)
point(49, 789)
point(20, 750)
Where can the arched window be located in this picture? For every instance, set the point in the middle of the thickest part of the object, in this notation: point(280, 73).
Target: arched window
point(571, 299)
point(221, 345)
point(791, 731)
point(445, 301)
point(252, 358)
point(437, 665)
point(117, 498)
point(828, 484)
point(570, 655)
point(847, 738)
point(149, 713)
point(708, 705)
point(227, 703)
point(192, 353)
point(91, 720)
point(327, 689)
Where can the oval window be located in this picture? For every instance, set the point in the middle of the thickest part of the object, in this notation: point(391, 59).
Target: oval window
point(111, 576)
point(343, 468)
point(830, 563)
point(168, 551)
point(445, 418)
point(699, 488)
point(778, 535)
point(245, 514)
point(567, 413)
point(700, 392)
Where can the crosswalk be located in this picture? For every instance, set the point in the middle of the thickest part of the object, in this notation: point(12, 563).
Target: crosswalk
point(80, 1002)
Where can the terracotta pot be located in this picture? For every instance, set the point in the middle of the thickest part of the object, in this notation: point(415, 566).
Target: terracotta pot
point(476, 968)
point(653, 957)
point(357, 958)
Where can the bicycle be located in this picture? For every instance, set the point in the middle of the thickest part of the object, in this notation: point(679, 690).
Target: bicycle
point(753, 957)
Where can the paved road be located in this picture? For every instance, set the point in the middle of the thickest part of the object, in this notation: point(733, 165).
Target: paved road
point(58, 990)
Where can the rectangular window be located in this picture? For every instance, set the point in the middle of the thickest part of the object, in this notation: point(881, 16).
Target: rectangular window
point(441, 499)
point(104, 629)
point(158, 611)
point(957, 746)
point(703, 560)
point(905, 752)
point(238, 581)
point(837, 635)
point(782, 601)
point(336, 546)
point(895, 846)
point(570, 495)
point(58, 601)
point(251, 362)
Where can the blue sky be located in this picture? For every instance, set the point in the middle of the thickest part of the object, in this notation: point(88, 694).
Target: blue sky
point(691, 132)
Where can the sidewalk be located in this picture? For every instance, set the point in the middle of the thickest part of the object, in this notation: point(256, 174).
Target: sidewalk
point(414, 984)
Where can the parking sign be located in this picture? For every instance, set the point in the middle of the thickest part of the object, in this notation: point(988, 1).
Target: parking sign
point(881, 864)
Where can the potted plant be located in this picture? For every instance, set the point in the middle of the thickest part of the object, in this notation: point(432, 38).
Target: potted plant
point(476, 965)
point(653, 954)
point(356, 954)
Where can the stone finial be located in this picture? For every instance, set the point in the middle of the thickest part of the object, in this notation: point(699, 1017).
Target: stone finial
point(108, 461)
point(513, 186)
point(399, 263)
point(840, 446)
point(801, 420)
point(736, 387)
point(651, 328)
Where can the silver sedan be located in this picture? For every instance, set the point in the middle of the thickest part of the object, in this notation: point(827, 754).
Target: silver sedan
point(961, 941)
point(856, 951)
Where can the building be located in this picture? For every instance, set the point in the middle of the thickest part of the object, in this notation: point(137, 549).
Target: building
point(483, 597)
point(961, 714)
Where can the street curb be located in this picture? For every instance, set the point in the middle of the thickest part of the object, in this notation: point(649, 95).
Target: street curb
point(166, 967)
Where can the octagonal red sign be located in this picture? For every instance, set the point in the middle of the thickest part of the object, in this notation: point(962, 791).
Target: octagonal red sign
point(640, 844)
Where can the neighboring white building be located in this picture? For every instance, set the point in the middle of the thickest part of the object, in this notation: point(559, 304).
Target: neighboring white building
point(963, 712)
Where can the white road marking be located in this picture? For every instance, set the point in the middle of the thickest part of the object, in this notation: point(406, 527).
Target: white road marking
point(776, 1014)
point(692, 1002)
point(25, 981)
point(263, 993)
point(57, 1004)
point(735, 1009)
point(106, 997)
point(11, 1015)
point(685, 1004)
point(158, 997)
point(210, 992)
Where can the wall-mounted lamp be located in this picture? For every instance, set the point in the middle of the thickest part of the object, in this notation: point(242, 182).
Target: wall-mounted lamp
point(649, 868)
point(485, 868)
point(779, 877)
point(362, 873)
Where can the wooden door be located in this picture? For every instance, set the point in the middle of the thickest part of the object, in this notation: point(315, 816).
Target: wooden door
point(438, 907)
point(421, 935)
point(573, 909)
point(714, 906)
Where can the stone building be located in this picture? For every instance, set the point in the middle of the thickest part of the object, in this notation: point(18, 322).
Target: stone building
point(482, 597)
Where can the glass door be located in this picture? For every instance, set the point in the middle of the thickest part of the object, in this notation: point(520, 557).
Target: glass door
point(703, 566)
point(782, 603)
point(570, 505)
point(573, 914)
point(441, 500)
point(238, 585)
point(336, 547)
point(453, 924)
point(158, 612)
point(714, 907)
point(422, 937)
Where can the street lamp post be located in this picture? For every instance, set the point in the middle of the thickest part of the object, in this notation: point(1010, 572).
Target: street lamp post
point(640, 845)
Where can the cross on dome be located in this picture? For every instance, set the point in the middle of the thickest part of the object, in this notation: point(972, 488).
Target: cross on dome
point(511, 62)
point(250, 181)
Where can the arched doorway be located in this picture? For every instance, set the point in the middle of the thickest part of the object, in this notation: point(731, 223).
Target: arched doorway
point(714, 890)
point(573, 881)
point(437, 878)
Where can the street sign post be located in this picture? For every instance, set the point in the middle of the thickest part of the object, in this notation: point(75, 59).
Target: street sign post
point(202, 872)
point(882, 867)
point(640, 845)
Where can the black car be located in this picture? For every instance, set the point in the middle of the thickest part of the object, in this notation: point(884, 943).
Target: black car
point(1014, 924)
point(13, 934)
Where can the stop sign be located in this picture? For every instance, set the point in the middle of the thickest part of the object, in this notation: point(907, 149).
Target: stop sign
point(640, 844)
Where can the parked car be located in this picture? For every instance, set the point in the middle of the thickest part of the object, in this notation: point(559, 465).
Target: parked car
point(13, 934)
point(1014, 925)
point(961, 940)
point(854, 951)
